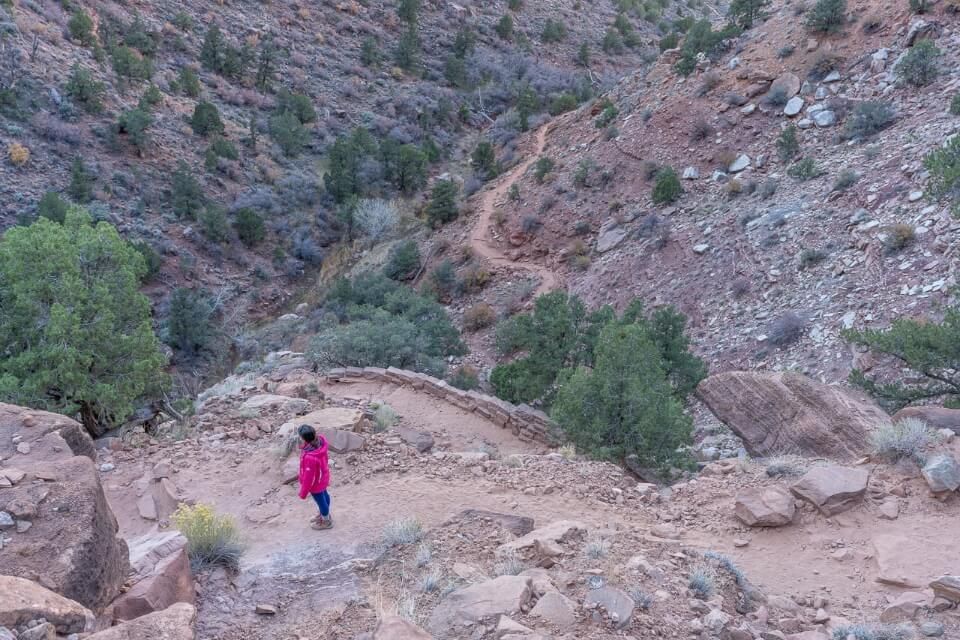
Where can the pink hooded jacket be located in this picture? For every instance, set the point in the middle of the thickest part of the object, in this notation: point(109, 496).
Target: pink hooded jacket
point(314, 468)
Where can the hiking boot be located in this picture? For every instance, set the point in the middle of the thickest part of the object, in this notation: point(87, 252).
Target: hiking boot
point(322, 523)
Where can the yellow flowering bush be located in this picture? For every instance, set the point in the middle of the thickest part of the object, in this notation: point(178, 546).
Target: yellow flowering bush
point(213, 539)
point(18, 154)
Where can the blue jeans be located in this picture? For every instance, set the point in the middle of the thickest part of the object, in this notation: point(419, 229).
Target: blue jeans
point(323, 501)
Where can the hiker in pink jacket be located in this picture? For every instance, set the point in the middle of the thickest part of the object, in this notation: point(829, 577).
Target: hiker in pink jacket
point(315, 474)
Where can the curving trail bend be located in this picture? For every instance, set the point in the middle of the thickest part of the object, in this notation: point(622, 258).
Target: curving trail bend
point(480, 235)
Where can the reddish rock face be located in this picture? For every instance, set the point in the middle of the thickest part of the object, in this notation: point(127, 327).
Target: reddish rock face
point(774, 413)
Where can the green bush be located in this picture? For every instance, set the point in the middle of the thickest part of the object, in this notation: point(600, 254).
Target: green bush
point(624, 404)
point(183, 21)
point(484, 159)
point(787, 144)
point(151, 97)
point(560, 333)
point(608, 114)
point(249, 227)
point(563, 103)
point(514, 5)
point(466, 378)
point(189, 82)
point(920, 66)
point(669, 41)
point(130, 63)
point(288, 132)
point(408, 10)
point(186, 194)
point(927, 354)
point(96, 345)
point(206, 119)
point(805, 169)
point(827, 16)
point(211, 53)
point(504, 27)
point(869, 118)
point(369, 52)
point(944, 167)
point(955, 105)
point(745, 12)
point(80, 27)
point(297, 104)
point(667, 187)
point(85, 90)
point(542, 167)
point(81, 182)
point(553, 31)
point(223, 148)
point(442, 207)
point(701, 38)
point(213, 224)
point(384, 323)
point(919, 6)
point(190, 321)
point(404, 261)
point(407, 53)
point(612, 43)
point(134, 123)
point(53, 207)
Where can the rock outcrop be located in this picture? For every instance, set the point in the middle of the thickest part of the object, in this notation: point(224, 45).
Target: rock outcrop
point(22, 601)
point(935, 417)
point(503, 595)
point(71, 546)
point(771, 506)
point(832, 489)
point(46, 436)
point(394, 628)
point(773, 413)
point(174, 623)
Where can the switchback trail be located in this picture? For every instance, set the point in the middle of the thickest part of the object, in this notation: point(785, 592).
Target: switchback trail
point(480, 240)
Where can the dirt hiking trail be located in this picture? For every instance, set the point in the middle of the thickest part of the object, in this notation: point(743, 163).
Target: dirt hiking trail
point(480, 240)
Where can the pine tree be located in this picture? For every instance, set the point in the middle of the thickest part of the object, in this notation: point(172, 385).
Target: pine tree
point(745, 12)
point(81, 182)
point(95, 353)
point(443, 203)
point(484, 159)
point(211, 53)
point(266, 66)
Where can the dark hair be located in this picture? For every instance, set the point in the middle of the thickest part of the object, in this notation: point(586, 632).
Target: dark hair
point(307, 433)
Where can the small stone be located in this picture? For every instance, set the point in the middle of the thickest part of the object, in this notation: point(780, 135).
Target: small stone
point(793, 106)
point(266, 610)
point(107, 467)
point(742, 162)
point(740, 543)
point(942, 473)
point(691, 173)
point(833, 76)
point(23, 526)
point(915, 195)
point(825, 118)
point(748, 109)
point(931, 629)
point(821, 616)
point(23, 448)
point(6, 521)
point(701, 249)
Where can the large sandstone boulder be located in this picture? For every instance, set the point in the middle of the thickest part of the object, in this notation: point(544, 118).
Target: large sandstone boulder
point(29, 435)
point(174, 623)
point(394, 628)
point(71, 546)
point(947, 587)
point(500, 596)
point(832, 489)
point(22, 601)
point(771, 506)
point(935, 417)
point(915, 559)
point(271, 402)
point(778, 412)
point(556, 609)
point(617, 605)
point(517, 525)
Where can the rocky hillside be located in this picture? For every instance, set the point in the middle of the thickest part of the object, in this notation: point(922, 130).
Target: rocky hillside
point(770, 247)
point(97, 105)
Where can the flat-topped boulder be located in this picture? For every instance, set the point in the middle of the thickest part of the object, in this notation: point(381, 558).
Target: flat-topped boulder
point(771, 506)
point(273, 402)
point(775, 412)
point(71, 546)
point(340, 418)
point(832, 489)
point(28, 435)
point(934, 417)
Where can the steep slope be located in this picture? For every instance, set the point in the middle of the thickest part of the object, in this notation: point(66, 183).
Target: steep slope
point(768, 267)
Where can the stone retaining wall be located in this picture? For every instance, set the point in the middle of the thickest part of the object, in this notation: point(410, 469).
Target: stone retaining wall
point(527, 423)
